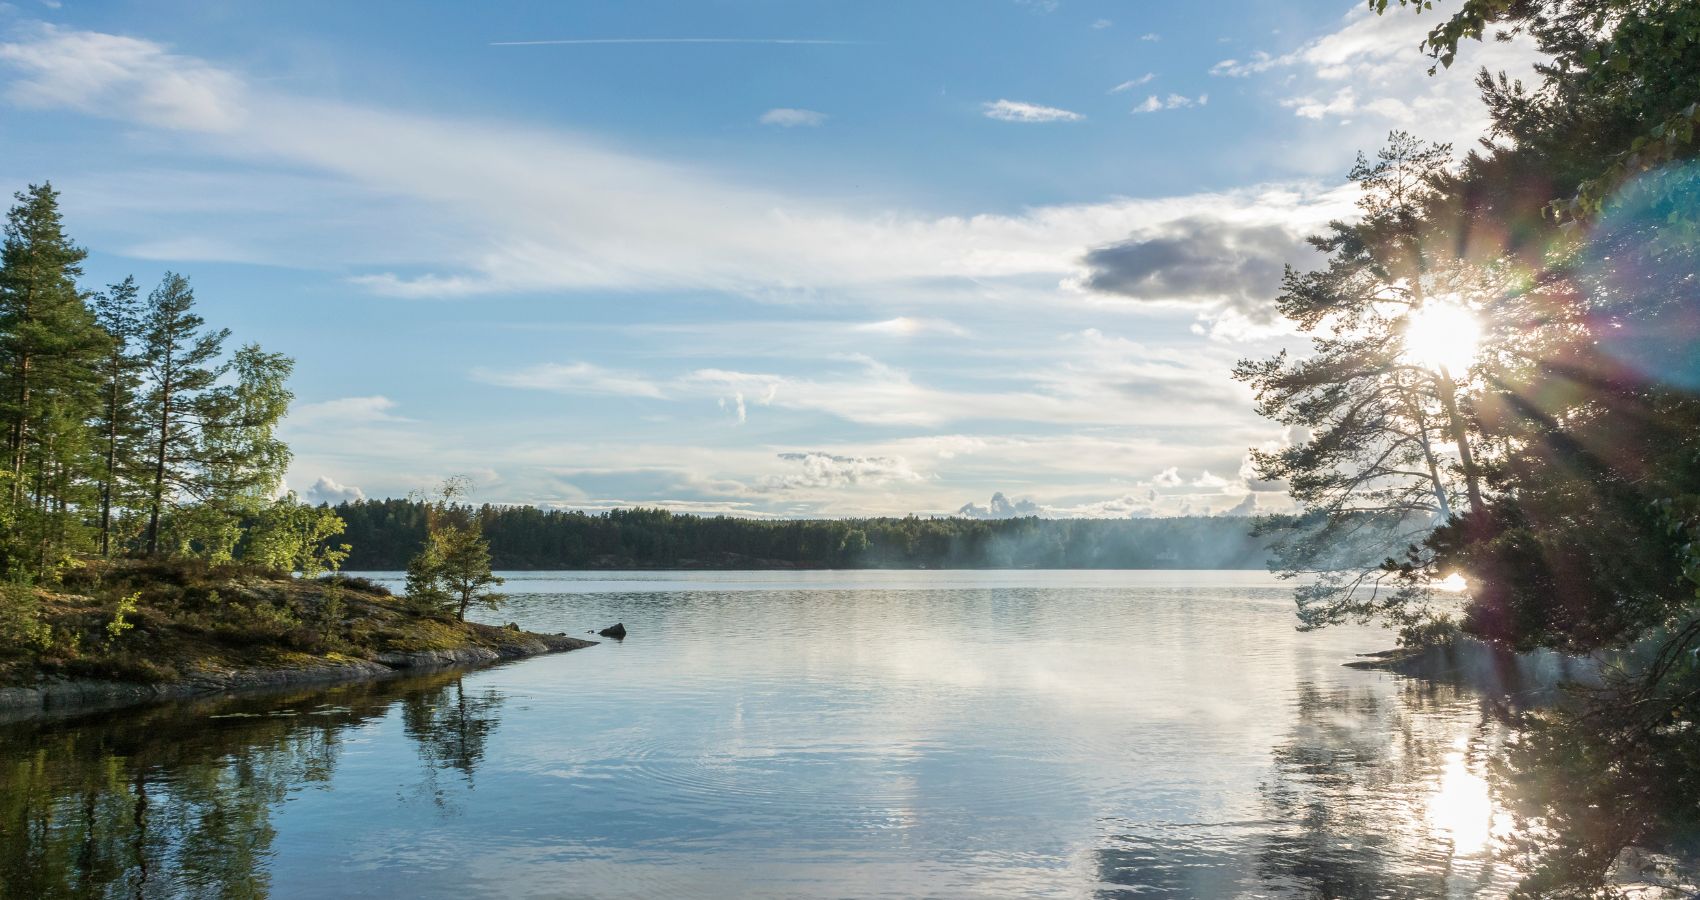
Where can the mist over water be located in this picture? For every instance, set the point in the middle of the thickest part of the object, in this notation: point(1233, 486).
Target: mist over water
point(1058, 734)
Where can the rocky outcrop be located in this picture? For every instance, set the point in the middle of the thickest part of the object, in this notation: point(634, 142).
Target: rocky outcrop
point(49, 696)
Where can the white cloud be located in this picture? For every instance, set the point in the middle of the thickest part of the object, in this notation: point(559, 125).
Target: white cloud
point(1132, 83)
point(1370, 71)
point(1102, 24)
point(830, 470)
point(735, 403)
point(1001, 507)
point(572, 378)
point(1210, 482)
point(327, 490)
point(1154, 103)
point(579, 42)
point(95, 73)
point(1017, 111)
point(1127, 506)
point(1343, 103)
point(1246, 507)
point(345, 410)
point(1151, 36)
point(494, 208)
point(909, 326)
point(792, 118)
point(1101, 380)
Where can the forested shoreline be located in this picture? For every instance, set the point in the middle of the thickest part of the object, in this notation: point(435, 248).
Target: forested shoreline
point(384, 534)
point(146, 535)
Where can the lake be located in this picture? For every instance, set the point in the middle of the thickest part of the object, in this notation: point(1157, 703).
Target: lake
point(801, 734)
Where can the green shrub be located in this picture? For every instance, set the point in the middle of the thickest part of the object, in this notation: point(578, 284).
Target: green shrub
point(21, 624)
point(115, 629)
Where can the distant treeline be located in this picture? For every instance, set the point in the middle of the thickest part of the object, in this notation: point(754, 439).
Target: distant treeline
point(386, 533)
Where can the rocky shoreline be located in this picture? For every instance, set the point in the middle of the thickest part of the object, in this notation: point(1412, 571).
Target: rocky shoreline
point(52, 696)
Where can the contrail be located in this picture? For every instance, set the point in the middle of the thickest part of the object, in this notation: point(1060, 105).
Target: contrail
point(669, 41)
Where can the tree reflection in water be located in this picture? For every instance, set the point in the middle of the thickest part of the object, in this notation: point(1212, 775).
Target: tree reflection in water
point(1432, 791)
point(177, 801)
point(450, 729)
point(1371, 793)
point(1377, 795)
point(1388, 787)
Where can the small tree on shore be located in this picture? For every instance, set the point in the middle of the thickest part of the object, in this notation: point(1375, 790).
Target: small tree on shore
point(452, 570)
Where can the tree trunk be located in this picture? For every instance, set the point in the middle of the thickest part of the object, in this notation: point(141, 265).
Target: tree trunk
point(1466, 458)
point(20, 430)
point(159, 460)
point(112, 405)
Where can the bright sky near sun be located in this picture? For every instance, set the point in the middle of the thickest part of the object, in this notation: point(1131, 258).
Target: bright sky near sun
point(806, 258)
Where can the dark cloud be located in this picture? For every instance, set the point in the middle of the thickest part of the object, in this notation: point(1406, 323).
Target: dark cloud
point(1202, 259)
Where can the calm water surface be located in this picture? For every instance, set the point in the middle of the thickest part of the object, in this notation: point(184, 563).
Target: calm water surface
point(826, 734)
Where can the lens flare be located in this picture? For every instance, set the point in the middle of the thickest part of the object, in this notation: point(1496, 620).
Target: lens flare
point(1442, 336)
point(1451, 584)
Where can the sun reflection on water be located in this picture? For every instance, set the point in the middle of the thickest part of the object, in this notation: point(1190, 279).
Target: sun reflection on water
point(1462, 810)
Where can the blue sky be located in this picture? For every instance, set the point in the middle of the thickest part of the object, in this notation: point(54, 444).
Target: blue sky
point(799, 258)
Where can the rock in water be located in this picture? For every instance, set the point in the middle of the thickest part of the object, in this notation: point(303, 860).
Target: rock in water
point(617, 631)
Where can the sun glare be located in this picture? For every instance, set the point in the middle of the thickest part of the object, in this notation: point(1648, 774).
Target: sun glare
point(1451, 584)
point(1462, 810)
point(1442, 336)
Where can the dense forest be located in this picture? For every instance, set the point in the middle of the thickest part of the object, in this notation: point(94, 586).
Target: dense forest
point(384, 534)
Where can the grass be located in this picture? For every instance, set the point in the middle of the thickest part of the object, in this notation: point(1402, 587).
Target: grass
point(190, 617)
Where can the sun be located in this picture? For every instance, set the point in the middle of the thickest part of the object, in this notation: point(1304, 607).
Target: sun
point(1442, 336)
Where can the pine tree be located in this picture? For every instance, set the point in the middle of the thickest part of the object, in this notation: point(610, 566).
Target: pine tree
point(119, 426)
point(452, 570)
point(183, 369)
point(49, 347)
point(1367, 467)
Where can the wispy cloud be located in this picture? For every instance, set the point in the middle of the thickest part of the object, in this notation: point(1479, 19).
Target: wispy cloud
point(96, 73)
point(568, 42)
point(1151, 36)
point(786, 117)
point(512, 209)
point(1103, 381)
point(819, 469)
point(1132, 83)
point(1017, 111)
point(1102, 24)
point(345, 411)
point(909, 326)
point(1368, 71)
point(1154, 103)
point(573, 378)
